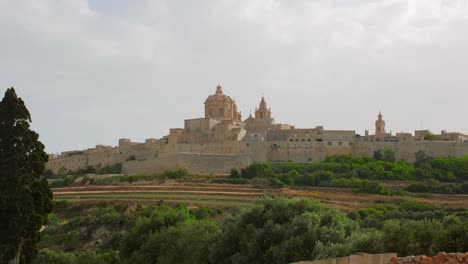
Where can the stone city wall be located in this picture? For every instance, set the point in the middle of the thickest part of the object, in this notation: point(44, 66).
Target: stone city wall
point(406, 150)
point(99, 157)
point(155, 156)
point(194, 162)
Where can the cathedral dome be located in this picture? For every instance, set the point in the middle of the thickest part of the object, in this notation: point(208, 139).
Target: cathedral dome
point(221, 106)
point(218, 96)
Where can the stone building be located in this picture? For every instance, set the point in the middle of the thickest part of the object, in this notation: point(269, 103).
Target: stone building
point(221, 140)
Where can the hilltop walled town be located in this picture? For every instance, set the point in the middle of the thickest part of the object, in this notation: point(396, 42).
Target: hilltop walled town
point(221, 140)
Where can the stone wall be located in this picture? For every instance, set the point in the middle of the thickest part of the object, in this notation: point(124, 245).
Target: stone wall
point(360, 258)
point(441, 258)
point(155, 156)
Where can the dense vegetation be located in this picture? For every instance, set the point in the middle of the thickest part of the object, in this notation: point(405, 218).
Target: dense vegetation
point(69, 177)
point(273, 230)
point(25, 197)
point(362, 174)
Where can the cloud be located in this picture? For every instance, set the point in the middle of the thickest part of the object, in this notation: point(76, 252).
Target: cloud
point(94, 71)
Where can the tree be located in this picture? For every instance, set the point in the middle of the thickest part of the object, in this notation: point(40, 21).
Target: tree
point(386, 154)
point(431, 137)
point(25, 197)
point(420, 158)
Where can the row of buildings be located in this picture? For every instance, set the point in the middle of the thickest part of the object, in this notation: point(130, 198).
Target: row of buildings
point(221, 140)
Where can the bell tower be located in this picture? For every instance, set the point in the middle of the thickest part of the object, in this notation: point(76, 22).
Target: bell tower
point(263, 112)
point(379, 128)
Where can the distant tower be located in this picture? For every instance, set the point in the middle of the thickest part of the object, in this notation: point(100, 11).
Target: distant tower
point(263, 112)
point(379, 128)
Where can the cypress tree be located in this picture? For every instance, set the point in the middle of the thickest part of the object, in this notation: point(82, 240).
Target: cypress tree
point(25, 197)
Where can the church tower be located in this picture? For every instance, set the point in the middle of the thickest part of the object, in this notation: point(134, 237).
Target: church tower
point(263, 112)
point(379, 129)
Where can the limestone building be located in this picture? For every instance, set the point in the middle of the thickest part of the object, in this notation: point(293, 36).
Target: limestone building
point(221, 140)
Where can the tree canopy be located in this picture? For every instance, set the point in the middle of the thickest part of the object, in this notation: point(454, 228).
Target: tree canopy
point(25, 198)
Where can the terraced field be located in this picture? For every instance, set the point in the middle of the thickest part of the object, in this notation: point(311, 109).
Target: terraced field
point(232, 196)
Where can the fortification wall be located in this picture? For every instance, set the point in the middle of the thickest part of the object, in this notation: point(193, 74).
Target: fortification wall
point(101, 157)
point(406, 150)
point(194, 162)
point(212, 163)
point(163, 162)
point(157, 156)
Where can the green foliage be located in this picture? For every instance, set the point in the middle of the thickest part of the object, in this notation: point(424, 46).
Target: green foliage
point(386, 154)
point(230, 181)
point(410, 237)
point(66, 181)
point(175, 174)
point(115, 168)
point(458, 188)
point(25, 197)
point(71, 239)
point(168, 174)
point(273, 230)
point(282, 231)
point(138, 245)
point(361, 186)
point(47, 256)
point(235, 173)
point(130, 158)
point(431, 137)
point(383, 167)
point(49, 174)
point(261, 170)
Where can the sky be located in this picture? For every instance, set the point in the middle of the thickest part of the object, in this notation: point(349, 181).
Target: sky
point(94, 71)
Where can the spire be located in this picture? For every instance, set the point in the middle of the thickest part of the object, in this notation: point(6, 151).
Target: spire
point(380, 116)
point(262, 103)
point(219, 89)
point(263, 112)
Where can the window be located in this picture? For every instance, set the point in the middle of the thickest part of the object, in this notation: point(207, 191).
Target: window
point(329, 143)
point(340, 143)
point(350, 143)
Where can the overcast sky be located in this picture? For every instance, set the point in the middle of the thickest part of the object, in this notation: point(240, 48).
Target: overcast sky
point(94, 71)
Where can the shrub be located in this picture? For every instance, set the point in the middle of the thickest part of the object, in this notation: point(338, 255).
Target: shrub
point(235, 173)
point(71, 240)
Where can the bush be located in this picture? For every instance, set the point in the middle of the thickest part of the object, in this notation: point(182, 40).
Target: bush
point(71, 240)
point(230, 181)
point(176, 174)
point(115, 168)
point(235, 173)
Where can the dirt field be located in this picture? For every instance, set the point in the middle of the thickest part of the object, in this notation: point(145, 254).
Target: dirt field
point(228, 195)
